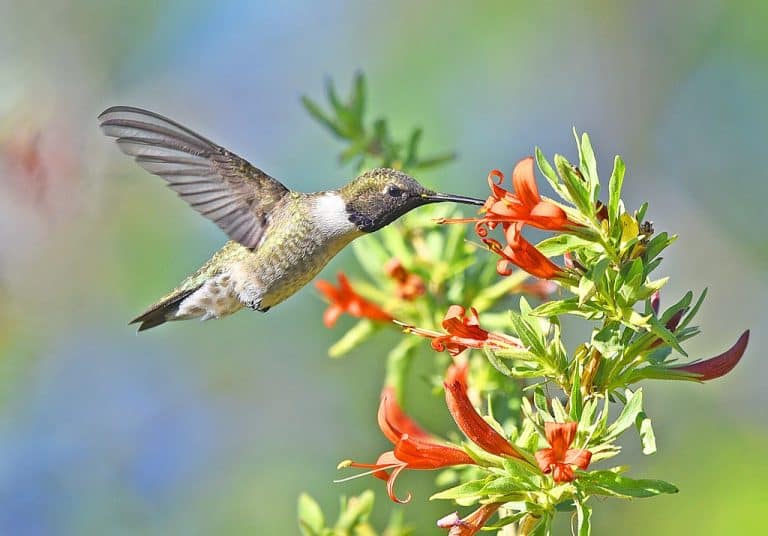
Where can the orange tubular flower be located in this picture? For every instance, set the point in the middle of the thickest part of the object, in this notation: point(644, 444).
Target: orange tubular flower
point(720, 365)
point(522, 253)
point(560, 459)
point(414, 448)
point(469, 420)
point(344, 299)
point(513, 210)
point(463, 332)
point(524, 205)
point(409, 286)
point(470, 525)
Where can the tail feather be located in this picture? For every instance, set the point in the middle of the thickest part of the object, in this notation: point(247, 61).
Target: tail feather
point(162, 311)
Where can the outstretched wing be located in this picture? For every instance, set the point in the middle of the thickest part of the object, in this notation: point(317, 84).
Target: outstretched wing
point(217, 183)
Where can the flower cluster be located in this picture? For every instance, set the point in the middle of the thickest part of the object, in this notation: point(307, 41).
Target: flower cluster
point(536, 419)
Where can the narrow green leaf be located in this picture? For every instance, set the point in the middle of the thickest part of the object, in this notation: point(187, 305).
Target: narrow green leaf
point(473, 488)
point(614, 191)
point(692, 313)
point(577, 188)
point(319, 116)
point(584, 514)
point(645, 429)
point(588, 163)
point(628, 414)
point(613, 485)
point(576, 402)
point(540, 401)
point(549, 173)
point(658, 329)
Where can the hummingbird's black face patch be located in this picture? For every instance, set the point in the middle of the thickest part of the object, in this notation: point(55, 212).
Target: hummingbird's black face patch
point(380, 196)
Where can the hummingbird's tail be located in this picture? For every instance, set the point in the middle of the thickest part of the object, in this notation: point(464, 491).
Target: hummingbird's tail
point(163, 311)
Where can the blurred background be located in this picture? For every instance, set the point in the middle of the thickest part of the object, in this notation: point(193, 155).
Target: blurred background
point(216, 427)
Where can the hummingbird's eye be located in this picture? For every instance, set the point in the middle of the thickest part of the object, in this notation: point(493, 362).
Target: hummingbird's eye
point(394, 191)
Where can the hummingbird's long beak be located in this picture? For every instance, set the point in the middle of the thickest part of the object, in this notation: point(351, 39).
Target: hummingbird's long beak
point(440, 198)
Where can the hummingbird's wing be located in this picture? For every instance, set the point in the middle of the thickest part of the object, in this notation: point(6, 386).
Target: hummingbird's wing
point(217, 183)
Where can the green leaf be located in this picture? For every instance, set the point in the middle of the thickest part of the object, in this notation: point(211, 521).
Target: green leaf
point(657, 244)
point(549, 173)
point(588, 164)
point(497, 363)
point(577, 188)
point(692, 312)
point(319, 116)
point(529, 334)
point(505, 485)
point(628, 414)
point(585, 290)
point(576, 402)
point(561, 243)
point(614, 191)
point(311, 520)
point(473, 488)
point(558, 411)
point(584, 514)
point(540, 401)
point(611, 484)
point(645, 429)
point(352, 338)
point(660, 330)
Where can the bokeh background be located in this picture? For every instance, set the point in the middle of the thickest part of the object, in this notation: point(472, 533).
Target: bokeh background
point(216, 427)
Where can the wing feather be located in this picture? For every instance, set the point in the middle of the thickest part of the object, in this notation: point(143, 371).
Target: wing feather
point(214, 181)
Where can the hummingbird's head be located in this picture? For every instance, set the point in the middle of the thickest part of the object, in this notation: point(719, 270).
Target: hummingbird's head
point(380, 196)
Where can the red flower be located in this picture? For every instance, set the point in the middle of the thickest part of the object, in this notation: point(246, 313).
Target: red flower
point(522, 253)
point(524, 205)
point(469, 420)
point(414, 448)
point(470, 525)
point(720, 365)
point(560, 459)
point(345, 300)
point(409, 286)
point(513, 210)
point(463, 332)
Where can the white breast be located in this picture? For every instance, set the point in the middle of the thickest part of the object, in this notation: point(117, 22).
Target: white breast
point(330, 215)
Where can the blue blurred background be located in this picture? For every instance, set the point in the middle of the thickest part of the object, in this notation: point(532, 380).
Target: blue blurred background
point(216, 427)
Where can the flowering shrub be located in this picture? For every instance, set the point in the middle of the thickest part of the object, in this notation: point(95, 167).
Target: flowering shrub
point(537, 418)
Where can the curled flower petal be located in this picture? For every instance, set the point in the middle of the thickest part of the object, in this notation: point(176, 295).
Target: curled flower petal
point(720, 365)
point(393, 422)
point(413, 448)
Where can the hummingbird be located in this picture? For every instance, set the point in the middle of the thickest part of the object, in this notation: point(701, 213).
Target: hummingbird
point(279, 238)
